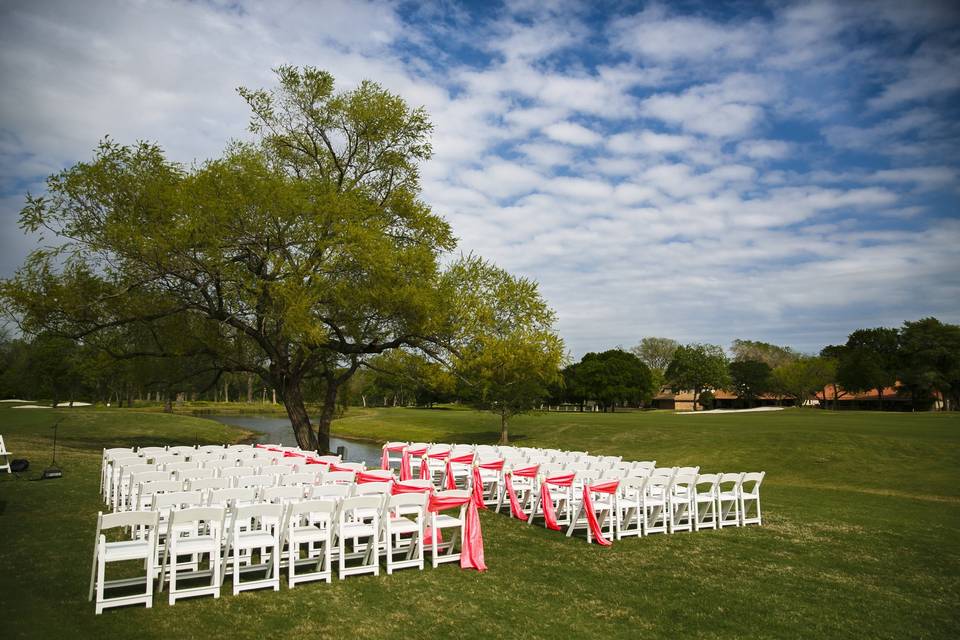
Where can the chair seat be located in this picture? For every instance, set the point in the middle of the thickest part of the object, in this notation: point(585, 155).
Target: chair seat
point(196, 544)
point(445, 521)
point(253, 540)
point(403, 525)
point(126, 550)
point(356, 530)
point(309, 534)
point(750, 496)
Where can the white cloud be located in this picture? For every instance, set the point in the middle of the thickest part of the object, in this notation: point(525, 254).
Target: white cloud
point(764, 149)
point(572, 133)
point(652, 34)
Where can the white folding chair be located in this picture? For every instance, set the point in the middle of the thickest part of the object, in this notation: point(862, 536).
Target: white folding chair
point(121, 483)
point(447, 550)
point(143, 548)
point(402, 521)
point(750, 496)
point(147, 490)
point(255, 527)
point(656, 503)
point(195, 474)
point(681, 502)
point(705, 501)
point(309, 539)
point(236, 496)
point(206, 484)
point(294, 479)
point(194, 532)
point(285, 495)
point(238, 472)
point(259, 481)
point(630, 509)
point(359, 517)
point(728, 500)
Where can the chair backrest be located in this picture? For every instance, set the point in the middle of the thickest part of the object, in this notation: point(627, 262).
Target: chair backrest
point(195, 474)
point(632, 486)
point(127, 519)
point(707, 483)
point(180, 466)
point(385, 474)
point(353, 466)
point(422, 484)
point(359, 507)
point(331, 491)
point(283, 494)
point(730, 481)
point(457, 494)
point(338, 477)
point(159, 486)
point(223, 498)
point(293, 479)
point(756, 478)
point(312, 511)
point(328, 458)
point(265, 514)
point(259, 480)
point(688, 470)
point(372, 488)
point(151, 451)
point(204, 484)
point(220, 464)
point(210, 448)
point(177, 500)
point(213, 516)
point(182, 450)
point(684, 481)
point(128, 470)
point(147, 476)
point(276, 470)
point(236, 472)
point(404, 504)
point(661, 483)
point(165, 459)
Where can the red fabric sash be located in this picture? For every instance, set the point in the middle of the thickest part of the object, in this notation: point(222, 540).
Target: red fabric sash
point(335, 467)
point(364, 477)
point(464, 459)
point(292, 454)
point(406, 472)
point(385, 457)
point(403, 487)
point(315, 461)
point(523, 472)
point(471, 547)
point(603, 487)
point(549, 515)
point(496, 465)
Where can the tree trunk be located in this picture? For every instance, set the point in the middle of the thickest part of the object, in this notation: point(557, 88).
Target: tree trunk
point(250, 388)
point(504, 436)
point(880, 395)
point(299, 418)
point(226, 391)
point(167, 402)
point(326, 414)
point(363, 398)
point(696, 396)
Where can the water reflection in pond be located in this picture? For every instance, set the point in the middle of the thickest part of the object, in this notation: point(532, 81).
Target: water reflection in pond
point(278, 431)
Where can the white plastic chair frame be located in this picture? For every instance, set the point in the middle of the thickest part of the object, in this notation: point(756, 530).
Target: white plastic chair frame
point(359, 517)
point(124, 550)
point(447, 551)
point(203, 529)
point(310, 524)
point(261, 529)
point(751, 497)
point(403, 534)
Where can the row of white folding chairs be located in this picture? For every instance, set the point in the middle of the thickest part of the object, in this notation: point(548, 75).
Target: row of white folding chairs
point(673, 503)
point(232, 454)
point(298, 534)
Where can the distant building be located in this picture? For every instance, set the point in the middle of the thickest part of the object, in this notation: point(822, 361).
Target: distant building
point(866, 401)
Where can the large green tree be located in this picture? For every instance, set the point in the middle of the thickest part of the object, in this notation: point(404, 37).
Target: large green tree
point(294, 258)
point(929, 361)
point(696, 367)
point(610, 377)
point(750, 379)
point(869, 361)
point(803, 378)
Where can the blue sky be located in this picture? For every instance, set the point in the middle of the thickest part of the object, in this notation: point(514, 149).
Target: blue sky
point(783, 171)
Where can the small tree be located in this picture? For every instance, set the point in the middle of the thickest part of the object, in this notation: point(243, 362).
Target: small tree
point(696, 367)
point(508, 355)
point(752, 350)
point(656, 353)
point(803, 378)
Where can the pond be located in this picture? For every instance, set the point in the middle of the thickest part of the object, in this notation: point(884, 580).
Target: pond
point(278, 430)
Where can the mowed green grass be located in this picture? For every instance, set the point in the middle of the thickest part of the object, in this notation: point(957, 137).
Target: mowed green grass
point(861, 537)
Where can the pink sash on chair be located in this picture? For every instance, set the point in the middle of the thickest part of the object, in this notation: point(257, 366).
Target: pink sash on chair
point(402, 487)
point(385, 457)
point(549, 516)
point(523, 472)
point(609, 487)
point(315, 461)
point(406, 472)
point(471, 547)
point(496, 465)
point(363, 477)
point(464, 459)
point(425, 467)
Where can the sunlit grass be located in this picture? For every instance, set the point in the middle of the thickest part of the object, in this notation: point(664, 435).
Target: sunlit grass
point(862, 513)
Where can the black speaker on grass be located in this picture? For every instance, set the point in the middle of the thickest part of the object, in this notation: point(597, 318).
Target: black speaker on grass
point(53, 471)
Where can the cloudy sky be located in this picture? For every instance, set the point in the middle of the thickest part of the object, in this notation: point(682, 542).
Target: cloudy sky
point(768, 170)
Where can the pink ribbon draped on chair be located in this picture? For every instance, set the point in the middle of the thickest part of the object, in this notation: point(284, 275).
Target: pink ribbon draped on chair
point(292, 454)
point(549, 516)
point(495, 465)
point(335, 467)
point(363, 477)
point(387, 450)
point(406, 471)
point(471, 545)
point(315, 461)
point(467, 458)
point(522, 472)
point(425, 467)
point(403, 487)
point(609, 487)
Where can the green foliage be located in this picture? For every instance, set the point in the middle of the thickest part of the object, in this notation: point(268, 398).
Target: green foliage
point(929, 358)
point(696, 367)
point(656, 353)
point(804, 378)
point(771, 354)
point(508, 355)
point(750, 378)
point(610, 377)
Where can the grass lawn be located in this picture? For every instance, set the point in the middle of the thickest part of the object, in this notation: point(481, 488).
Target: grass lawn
point(861, 537)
